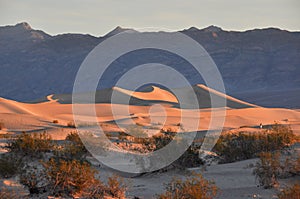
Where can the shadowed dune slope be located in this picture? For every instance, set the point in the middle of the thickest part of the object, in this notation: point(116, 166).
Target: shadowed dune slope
point(115, 95)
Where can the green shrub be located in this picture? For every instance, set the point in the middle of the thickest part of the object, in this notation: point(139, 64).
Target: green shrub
point(32, 144)
point(195, 187)
point(290, 193)
point(9, 165)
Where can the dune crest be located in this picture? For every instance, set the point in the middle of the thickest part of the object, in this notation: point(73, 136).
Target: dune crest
point(156, 94)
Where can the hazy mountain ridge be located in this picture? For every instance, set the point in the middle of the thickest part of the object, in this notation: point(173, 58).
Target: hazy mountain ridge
point(34, 64)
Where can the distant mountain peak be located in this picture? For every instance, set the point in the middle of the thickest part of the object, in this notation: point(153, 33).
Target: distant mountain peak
point(212, 28)
point(193, 29)
point(23, 25)
point(117, 30)
point(22, 32)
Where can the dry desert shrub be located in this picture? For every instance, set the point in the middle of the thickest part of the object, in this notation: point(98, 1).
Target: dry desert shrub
point(73, 148)
point(267, 169)
point(77, 179)
point(9, 194)
point(272, 166)
point(195, 187)
point(31, 144)
point(9, 165)
point(244, 145)
point(290, 193)
point(34, 178)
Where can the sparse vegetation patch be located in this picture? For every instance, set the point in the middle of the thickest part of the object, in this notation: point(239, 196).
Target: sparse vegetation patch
point(195, 187)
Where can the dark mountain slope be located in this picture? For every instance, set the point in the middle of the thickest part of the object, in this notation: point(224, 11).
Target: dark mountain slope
point(34, 64)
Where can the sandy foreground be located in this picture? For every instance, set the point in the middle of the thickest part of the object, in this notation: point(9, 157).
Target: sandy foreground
point(235, 179)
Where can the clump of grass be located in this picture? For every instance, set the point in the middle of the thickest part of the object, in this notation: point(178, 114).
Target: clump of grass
point(55, 122)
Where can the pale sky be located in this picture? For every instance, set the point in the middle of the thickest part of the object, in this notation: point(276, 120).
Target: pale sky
point(97, 17)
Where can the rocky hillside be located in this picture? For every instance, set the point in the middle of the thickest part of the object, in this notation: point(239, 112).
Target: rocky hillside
point(34, 64)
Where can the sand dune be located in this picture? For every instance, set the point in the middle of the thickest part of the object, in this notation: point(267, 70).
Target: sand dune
point(120, 96)
point(9, 106)
point(153, 95)
point(19, 116)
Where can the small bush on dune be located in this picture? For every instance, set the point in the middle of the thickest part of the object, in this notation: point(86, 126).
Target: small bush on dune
point(290, 193)
point(55, 121)
point(1, 125)
point(71, 125)
point(195, 187)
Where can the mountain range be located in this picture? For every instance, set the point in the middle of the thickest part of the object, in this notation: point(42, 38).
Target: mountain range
point(260, 66)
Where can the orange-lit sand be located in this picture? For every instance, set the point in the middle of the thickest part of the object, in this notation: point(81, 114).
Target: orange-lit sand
point(17, 116)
